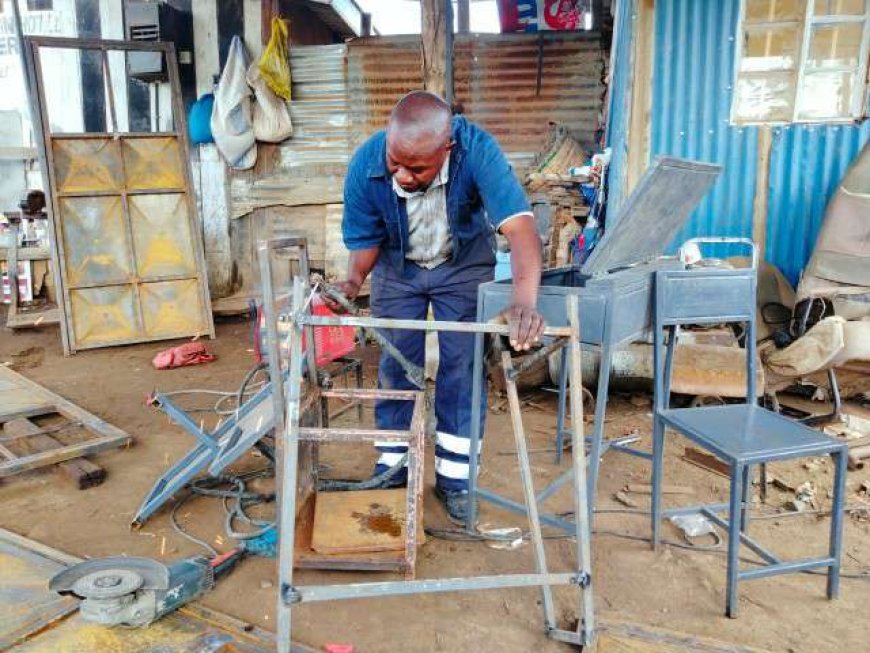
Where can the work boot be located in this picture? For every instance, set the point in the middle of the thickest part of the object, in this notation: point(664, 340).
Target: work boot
point(456, 503)
point(399, 479)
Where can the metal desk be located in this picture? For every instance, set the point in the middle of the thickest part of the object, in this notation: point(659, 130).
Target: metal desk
point(614, 289)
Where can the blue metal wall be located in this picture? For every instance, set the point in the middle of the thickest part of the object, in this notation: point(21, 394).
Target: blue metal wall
point(619, 96)
point(807, 164)
point(691, 103)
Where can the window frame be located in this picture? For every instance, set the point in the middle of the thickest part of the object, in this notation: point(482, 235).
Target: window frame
point(860, 100)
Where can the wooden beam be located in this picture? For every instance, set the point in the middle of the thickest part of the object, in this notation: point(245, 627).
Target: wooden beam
point(641, 95)
point(83, 473)
point(762, 183)
point(434, 46)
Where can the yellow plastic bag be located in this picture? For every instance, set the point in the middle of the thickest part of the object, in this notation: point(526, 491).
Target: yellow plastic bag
point(275, 63)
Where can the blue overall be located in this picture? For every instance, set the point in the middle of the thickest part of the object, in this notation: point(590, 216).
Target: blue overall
point(482, 193)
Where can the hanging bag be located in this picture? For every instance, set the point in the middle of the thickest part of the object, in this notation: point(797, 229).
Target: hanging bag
point(231, 119)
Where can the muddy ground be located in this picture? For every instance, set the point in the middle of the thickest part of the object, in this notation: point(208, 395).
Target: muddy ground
point(676, 588)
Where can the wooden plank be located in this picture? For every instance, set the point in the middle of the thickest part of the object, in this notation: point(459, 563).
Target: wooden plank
point(706, 461)
point(359, 521)
point(646, 488)
point(83, 473)
point(27, 254)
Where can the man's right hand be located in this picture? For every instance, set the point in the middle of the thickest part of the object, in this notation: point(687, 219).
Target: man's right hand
point(348, 288)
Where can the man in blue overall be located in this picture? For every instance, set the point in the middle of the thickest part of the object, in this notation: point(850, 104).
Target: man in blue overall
point(422, 202)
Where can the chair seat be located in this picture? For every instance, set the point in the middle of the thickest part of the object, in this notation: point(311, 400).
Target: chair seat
point(745, 433)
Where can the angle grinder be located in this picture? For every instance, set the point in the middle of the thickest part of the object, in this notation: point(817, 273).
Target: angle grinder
point(131, 591)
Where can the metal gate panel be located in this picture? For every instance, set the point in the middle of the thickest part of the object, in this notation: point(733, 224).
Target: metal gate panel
point(170, 309)
point(104, 315)
point(87, 165)
point(161, 236)
point(95, 240)
point(127, 247)
point(153, 163)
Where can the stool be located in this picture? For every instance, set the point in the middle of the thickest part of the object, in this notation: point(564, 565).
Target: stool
point(742, 435)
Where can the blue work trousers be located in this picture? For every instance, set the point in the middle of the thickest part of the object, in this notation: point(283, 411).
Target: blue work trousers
point(451, 290)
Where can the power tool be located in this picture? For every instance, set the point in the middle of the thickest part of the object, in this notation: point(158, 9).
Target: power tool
point(132, 591)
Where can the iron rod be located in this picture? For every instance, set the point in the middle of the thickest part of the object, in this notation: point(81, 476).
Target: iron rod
point(429, 586)
point(419, 325)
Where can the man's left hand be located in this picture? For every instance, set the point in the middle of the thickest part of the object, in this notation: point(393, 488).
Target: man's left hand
point(526, 325)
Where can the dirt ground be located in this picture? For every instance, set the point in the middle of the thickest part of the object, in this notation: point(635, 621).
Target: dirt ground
point(676, 588)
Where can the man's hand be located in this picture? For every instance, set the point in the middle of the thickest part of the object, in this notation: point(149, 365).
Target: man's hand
point(348, 288)
point(526, 325)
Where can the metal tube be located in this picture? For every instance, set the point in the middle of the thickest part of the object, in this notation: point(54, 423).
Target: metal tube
point(350, 393)
point(563, 394)
point(285, 470)
point(427, 586)
point(353, 435)
point(786, 568)
point(733, 568)
point(477, 389)
point(520, 509)
point(528, 488)
point(836, 539)
point(583, 501)
point(273, 350)
point(419, 325)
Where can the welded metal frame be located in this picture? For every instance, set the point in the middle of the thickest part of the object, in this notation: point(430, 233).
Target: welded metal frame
point(290, 595)
point(45, 137)
point(711, 296)
point(414, 438)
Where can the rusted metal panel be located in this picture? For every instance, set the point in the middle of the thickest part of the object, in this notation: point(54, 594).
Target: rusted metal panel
point(130, 258)
point(514, 85)
point(153, 163)
point(379, 72)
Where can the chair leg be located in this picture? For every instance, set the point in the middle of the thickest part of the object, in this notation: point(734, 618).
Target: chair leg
point(745, 500)
point(656, 481)
point(836, 545)
point(737, 476)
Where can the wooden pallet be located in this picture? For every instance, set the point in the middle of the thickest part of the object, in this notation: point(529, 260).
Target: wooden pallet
point(26, 446)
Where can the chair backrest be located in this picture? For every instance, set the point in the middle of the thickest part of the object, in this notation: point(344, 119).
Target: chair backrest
point(703, 296)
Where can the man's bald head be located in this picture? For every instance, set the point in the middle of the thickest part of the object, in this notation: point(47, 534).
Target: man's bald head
point(418, 139)
point(420, 119)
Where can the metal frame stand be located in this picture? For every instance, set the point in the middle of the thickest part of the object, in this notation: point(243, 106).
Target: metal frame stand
point(291, 595)
point(599, 445)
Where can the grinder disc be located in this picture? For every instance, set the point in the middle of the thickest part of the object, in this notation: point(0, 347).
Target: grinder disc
point(107, 584)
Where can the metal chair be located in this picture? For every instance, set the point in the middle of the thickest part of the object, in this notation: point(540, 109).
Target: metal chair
point(742, 435)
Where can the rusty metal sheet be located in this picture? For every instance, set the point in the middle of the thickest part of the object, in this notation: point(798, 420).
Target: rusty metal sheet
point(26, 605)
point(95, 240)
point(514, 85)
point(87, 165)
point(153, 163)
point(171, 309)
point(129, 255)
point(161, 235)
point(104, 315)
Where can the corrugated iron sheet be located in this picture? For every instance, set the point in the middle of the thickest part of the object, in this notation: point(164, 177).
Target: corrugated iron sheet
point(380, 70)
point(807, 163)
point(516, 84)
point(692, 80)
point(319, 109)
point(692, 77)
point(619, 95)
